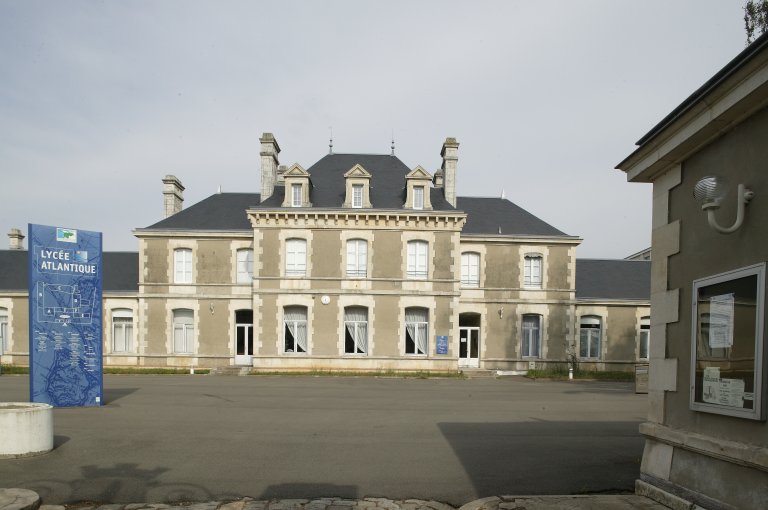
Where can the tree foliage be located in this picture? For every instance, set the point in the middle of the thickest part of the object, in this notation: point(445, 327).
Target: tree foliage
point(755, 18)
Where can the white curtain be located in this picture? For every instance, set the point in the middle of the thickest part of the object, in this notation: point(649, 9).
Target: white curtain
point(295, 318)
point(416, 326)
point(356, 320)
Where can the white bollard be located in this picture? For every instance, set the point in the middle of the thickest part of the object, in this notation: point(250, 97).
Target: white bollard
point(570, 373)
point(26, 429)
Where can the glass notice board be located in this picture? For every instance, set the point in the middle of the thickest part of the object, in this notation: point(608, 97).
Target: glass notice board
point(727, 345)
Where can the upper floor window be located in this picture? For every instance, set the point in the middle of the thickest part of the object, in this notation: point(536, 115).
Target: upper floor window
point(590, 328)
point(531, 336)
point(355, 330)
point(244, 266)
point(295, 195)
point(122, 330)
point(416, 330)
point(470, 269)
point(4, 340)
point(357, 196)
point(183, 331)
point(295, 329)
point(417, 260)
point(645, 337)
point(357, 258)
point(532, 271)
point(418, 197)
point(296, 257)
point(182, 261)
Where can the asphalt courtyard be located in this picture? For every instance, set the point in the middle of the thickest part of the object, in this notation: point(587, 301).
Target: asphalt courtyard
point(202, 438)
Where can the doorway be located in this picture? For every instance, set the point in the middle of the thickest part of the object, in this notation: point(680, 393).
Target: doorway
point(243, 337)
point(469, 340)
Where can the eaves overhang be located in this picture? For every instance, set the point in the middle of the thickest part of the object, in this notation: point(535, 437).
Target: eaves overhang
point(175, 232)
point(736, 92)
point(521, 238)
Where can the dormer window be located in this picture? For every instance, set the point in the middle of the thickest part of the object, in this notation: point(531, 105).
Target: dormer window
point(296, 187)
point(417, 184)
point(357, 188)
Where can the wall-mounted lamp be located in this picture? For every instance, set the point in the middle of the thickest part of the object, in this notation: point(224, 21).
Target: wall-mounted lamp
point(501, 312)
point(710, 191)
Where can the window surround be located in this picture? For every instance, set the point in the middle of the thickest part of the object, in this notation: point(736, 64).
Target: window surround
point(244, 265)
point(418, 251)
point(183, 264)
point(418, 178)
point(419, 330)
point(295, 248)
point(429, 303)
point(344, 301)
point(5, 330)
point(536, 320)
point(296, 176)
point(357, 329)
point(644, 334)
point(183, 331)
point(354, 270)
point(123, 327)
point(468, 279)
point(292, 321)
point(533, 263)
point(590, 324)
point(534, 250)
point(357, 178)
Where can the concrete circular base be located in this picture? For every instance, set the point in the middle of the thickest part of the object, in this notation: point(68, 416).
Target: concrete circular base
point(27, 429)
point(18, 499)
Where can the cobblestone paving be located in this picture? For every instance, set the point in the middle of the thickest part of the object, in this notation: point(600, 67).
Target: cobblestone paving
point(283, 504)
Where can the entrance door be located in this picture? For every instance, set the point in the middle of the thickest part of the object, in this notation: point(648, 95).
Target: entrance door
point(243, 337)
point(469, 347)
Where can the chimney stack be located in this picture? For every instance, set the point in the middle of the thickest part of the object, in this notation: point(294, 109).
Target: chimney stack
point(173, 195)
point(450, 155)
point(437, 179)
point(269, 163)
point(15, 239)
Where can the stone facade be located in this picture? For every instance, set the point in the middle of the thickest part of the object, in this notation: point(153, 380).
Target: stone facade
point(357, 263)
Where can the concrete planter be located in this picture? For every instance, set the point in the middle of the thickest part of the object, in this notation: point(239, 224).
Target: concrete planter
point(26, 429)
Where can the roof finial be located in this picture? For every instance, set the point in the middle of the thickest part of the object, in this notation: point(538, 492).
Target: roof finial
point(499, 229)
point(219, 188)
point(503, 196)
point(330, 144)
point(393, 142)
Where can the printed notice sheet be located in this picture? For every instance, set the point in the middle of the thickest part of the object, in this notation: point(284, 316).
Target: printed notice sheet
point(725, 392)
point(721, 321)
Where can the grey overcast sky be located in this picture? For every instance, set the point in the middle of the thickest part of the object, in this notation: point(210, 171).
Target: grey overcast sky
point(100, 99)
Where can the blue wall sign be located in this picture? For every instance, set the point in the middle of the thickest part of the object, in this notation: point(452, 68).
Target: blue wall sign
point(65, 317)
point(442, 344)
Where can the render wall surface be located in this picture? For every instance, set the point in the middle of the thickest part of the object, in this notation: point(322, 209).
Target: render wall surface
point(740, 155)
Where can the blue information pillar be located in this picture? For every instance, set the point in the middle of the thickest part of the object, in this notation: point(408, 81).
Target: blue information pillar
point(65, 318)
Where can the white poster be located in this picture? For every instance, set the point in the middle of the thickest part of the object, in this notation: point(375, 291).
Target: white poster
point(732, 392)
point(721, 321)
point(711, 385)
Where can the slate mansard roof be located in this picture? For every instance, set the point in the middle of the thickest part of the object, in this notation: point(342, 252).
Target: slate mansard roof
point(628, 280)
point(387, 188)
point(120, 271)
point(485, 216)
point(222, 211)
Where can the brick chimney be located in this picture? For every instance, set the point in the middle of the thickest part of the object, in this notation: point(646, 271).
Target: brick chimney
point(269, 163)
point(15, 239)
point(173, 195)
point(450, 155)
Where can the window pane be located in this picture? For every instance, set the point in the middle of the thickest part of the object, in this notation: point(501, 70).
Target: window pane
point(417, 259)
point(418, 197)
point(296, 257)
point(296, 195)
